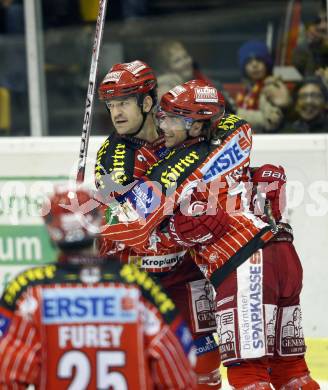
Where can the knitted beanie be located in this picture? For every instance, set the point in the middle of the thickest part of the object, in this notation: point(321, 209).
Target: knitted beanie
point(254, 49)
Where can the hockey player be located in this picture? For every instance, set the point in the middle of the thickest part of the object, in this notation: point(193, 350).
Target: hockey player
point(129, 91)
point(256, 300)
point(87, 323)
point(187, 115)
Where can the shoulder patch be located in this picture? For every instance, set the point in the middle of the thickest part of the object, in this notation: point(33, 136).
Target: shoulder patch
point(25, 279)
point(230, 122)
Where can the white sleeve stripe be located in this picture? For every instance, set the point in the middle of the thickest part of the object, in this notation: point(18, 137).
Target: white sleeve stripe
point(173, 348)
point(236, 230)
point(157, 343)
point(166, 364)
point(234, 239)
point(155, 374)
point(243, 226)
point(179, 355)
point(20, 354)
point(7, 351)
point(21, 330)
point(30, 358)
point(166, 377)
point(227, 244)
point(174, 364)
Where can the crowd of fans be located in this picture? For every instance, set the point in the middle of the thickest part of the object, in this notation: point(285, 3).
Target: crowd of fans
point(269, 103)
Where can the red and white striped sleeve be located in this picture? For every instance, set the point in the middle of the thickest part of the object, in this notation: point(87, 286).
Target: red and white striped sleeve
point(19, 351)
point(172, 368)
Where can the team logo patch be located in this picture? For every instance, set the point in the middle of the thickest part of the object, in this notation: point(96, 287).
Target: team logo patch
point(144, 199)
point(270, 324)
point(113, 77)
point(135, 67)
point(4, 324)
point(291, 331)
point(226, 332)
point(90, 275)
point(202, 300)
point(206, 95)
point(178, 90)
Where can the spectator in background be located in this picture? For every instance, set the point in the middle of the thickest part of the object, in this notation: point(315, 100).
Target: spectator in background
point(173, 57)
point(312, 52)
point(265, 97)
point(311, 103)
point(167, 81)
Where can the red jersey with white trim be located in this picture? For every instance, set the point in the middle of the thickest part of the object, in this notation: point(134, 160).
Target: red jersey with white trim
point(207, 172)
point(92, 326)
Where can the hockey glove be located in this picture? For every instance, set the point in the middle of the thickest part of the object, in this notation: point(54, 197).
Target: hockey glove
point(270, 181)
point(188, 230)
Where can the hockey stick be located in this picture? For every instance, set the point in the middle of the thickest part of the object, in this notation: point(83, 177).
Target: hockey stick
point(86, 129)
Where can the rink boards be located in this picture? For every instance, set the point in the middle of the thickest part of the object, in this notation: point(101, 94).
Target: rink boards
point(29, 167)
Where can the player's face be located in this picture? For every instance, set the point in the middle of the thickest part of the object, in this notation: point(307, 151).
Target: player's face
point(255, 69)
point(174, 130)
point(126, 115)
point(180, 62)
point(310, 102)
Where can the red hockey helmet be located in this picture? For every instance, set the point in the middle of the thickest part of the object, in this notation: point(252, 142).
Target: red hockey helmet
point(72, 217)
point(194, 100)
point(127, 79)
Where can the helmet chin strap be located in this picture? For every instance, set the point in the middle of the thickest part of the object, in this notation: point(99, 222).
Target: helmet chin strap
point(140, 100)
point(144, 117)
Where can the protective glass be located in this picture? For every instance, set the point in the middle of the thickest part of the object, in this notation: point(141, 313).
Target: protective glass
point(167, 120)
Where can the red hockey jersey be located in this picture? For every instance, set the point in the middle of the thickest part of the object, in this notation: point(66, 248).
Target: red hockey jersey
point(92, 327)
